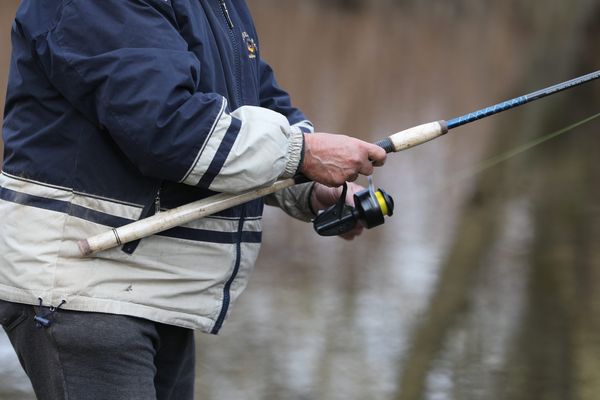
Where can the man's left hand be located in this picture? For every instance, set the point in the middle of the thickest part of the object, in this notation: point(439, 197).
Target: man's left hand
point(323, 197)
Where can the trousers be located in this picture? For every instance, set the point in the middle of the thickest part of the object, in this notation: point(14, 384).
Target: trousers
point(94, 356)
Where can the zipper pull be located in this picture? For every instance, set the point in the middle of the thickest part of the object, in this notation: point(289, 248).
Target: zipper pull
point(226, 13)
point(157, 203)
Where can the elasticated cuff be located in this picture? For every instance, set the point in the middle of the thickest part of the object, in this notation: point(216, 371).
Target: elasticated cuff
point(295, 153)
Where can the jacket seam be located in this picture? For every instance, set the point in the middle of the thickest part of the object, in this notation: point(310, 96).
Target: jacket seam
point(71, 190)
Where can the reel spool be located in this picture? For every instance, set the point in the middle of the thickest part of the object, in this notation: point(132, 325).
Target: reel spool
point(371, 206)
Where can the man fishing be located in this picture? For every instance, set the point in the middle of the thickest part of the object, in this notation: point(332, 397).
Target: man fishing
point(117, 110)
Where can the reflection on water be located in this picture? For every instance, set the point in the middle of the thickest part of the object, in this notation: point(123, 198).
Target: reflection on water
point(475, 355)
point(438, 303)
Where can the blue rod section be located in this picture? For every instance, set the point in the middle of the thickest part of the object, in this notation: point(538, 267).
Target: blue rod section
point(519, 101)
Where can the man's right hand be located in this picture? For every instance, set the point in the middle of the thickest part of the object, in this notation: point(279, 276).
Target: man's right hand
point(334, 159)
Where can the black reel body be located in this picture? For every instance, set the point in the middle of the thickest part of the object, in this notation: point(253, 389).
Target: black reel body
point(371, 206)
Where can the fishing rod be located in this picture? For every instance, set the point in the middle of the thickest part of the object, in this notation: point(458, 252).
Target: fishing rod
point(371, 205)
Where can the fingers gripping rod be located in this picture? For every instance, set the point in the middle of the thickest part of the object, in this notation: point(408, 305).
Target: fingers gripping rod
point(397, 142)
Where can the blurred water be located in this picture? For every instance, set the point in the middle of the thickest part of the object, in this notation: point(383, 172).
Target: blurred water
point(326, 319)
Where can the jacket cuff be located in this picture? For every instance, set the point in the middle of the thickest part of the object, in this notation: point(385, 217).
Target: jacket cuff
point(295, 153)
point(294, 201)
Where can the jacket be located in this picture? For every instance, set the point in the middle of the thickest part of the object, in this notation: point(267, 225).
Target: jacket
point(117, 110)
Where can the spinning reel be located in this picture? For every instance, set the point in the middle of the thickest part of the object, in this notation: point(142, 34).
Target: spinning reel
point(371, 206)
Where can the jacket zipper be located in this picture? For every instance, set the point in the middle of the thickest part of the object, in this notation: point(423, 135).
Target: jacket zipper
point(236, 54)
point(226, 13)
point(236, 269)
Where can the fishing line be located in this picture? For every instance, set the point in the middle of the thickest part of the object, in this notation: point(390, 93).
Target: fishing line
point(502, 157)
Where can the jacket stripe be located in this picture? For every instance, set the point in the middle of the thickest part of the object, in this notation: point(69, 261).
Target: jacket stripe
point(211, 147)
point(98, 217)
point(192, 175)
point(62, 207)
point(41, 189)
point(201, 235)
point(222, 154)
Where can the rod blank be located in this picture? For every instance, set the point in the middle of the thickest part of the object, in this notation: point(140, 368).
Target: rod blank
point(519, 101)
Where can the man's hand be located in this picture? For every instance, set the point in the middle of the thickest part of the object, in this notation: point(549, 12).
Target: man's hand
point(334, 159)
point(323, 197)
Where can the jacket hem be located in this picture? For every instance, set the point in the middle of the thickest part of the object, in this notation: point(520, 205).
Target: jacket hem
point(107, 306)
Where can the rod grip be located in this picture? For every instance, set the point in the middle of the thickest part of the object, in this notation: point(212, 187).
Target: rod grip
point(413, 136)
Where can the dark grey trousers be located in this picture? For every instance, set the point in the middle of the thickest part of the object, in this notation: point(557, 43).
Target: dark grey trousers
point(95, 356)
